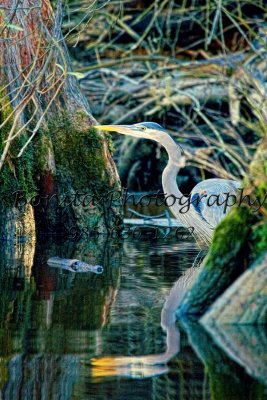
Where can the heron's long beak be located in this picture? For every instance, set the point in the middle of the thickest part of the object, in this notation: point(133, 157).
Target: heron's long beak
point(123, 129)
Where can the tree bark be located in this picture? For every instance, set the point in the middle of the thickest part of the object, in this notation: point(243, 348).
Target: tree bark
point(48, 145)
point(245, 301)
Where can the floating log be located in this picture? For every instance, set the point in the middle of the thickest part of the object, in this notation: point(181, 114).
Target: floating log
point(160, 222)
point(74, 265)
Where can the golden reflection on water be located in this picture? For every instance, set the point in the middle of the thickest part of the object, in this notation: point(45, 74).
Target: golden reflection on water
point(132, 367)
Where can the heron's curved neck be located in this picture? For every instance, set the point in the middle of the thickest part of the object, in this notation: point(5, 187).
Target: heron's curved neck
point(175, 162)
point(172, 148)
point(169, 183)
point(180, 205)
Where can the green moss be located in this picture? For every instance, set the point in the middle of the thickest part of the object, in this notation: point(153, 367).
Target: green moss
point(78, 156)
point(230, 236)
point(17, 173)
point(110, 143)
point(259, 239)
point(78, 153)
point(42, 150)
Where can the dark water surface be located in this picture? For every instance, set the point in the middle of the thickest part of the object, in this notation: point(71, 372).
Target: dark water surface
point(113, 336)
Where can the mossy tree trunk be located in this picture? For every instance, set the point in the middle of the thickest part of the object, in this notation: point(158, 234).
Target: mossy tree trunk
point(48, 146)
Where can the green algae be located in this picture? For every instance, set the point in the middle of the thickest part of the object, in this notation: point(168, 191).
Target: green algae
point(259, 239)
point(229, 237)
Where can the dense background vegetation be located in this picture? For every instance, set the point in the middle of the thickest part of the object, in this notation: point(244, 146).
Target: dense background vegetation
point(196, 67)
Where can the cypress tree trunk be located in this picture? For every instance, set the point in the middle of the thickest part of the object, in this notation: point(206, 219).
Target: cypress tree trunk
point(48, 146)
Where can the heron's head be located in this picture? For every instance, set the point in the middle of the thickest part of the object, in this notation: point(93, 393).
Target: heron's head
point(153, 131)
point(145, 130)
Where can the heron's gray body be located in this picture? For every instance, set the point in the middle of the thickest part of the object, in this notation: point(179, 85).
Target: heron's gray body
point(202, 216)
point(216, 192)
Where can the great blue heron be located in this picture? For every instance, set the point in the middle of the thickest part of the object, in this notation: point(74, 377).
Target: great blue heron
point(207, 198)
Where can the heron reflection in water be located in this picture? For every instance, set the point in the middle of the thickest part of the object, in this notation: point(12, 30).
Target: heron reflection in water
point(204, 217)
point(151, 364)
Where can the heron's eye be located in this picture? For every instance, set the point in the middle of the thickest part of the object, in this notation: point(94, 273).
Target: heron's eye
point(143, 128)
